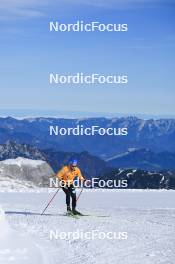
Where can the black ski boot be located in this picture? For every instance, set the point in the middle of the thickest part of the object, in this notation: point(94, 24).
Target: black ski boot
point(75, 212)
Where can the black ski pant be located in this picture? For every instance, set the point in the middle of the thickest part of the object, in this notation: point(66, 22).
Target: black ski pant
point(70, 193)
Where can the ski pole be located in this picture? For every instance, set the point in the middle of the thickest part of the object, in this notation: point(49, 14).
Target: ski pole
point(80, 193)
point(50, 201)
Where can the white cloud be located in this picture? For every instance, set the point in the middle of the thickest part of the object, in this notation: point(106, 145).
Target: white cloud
point(37, 8)
point(21, 8)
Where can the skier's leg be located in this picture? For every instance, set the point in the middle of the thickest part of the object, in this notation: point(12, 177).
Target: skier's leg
point(74, 200)
point(67, 192)
point(73, 196)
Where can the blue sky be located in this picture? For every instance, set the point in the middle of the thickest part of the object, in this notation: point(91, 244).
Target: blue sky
point(146, 53)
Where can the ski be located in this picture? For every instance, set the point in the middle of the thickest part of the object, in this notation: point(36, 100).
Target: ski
point(70, 214)
point(78, 216)
point(94, 215)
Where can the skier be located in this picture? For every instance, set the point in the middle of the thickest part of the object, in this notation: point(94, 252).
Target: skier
point(66, 175)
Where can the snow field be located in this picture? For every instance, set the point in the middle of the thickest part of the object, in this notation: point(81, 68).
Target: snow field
point(147, 217)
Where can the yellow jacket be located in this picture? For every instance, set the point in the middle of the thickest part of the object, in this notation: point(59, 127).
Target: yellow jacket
point(67, 175)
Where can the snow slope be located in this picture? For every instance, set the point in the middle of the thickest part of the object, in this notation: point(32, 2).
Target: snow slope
point(17, 247)
point(35, 172)
point(10, 184)
point(146, 216)
point(23, 162)
point(3, 225)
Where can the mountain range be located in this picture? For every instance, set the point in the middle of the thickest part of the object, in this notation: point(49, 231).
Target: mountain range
point(143, 159)
point(142, 179)
point(155, 135)
point(90, 165)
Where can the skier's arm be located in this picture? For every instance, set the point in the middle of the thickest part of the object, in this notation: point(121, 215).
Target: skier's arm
point(60, 174)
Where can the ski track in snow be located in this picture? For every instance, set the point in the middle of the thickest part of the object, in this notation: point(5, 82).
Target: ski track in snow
point(150, 229)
